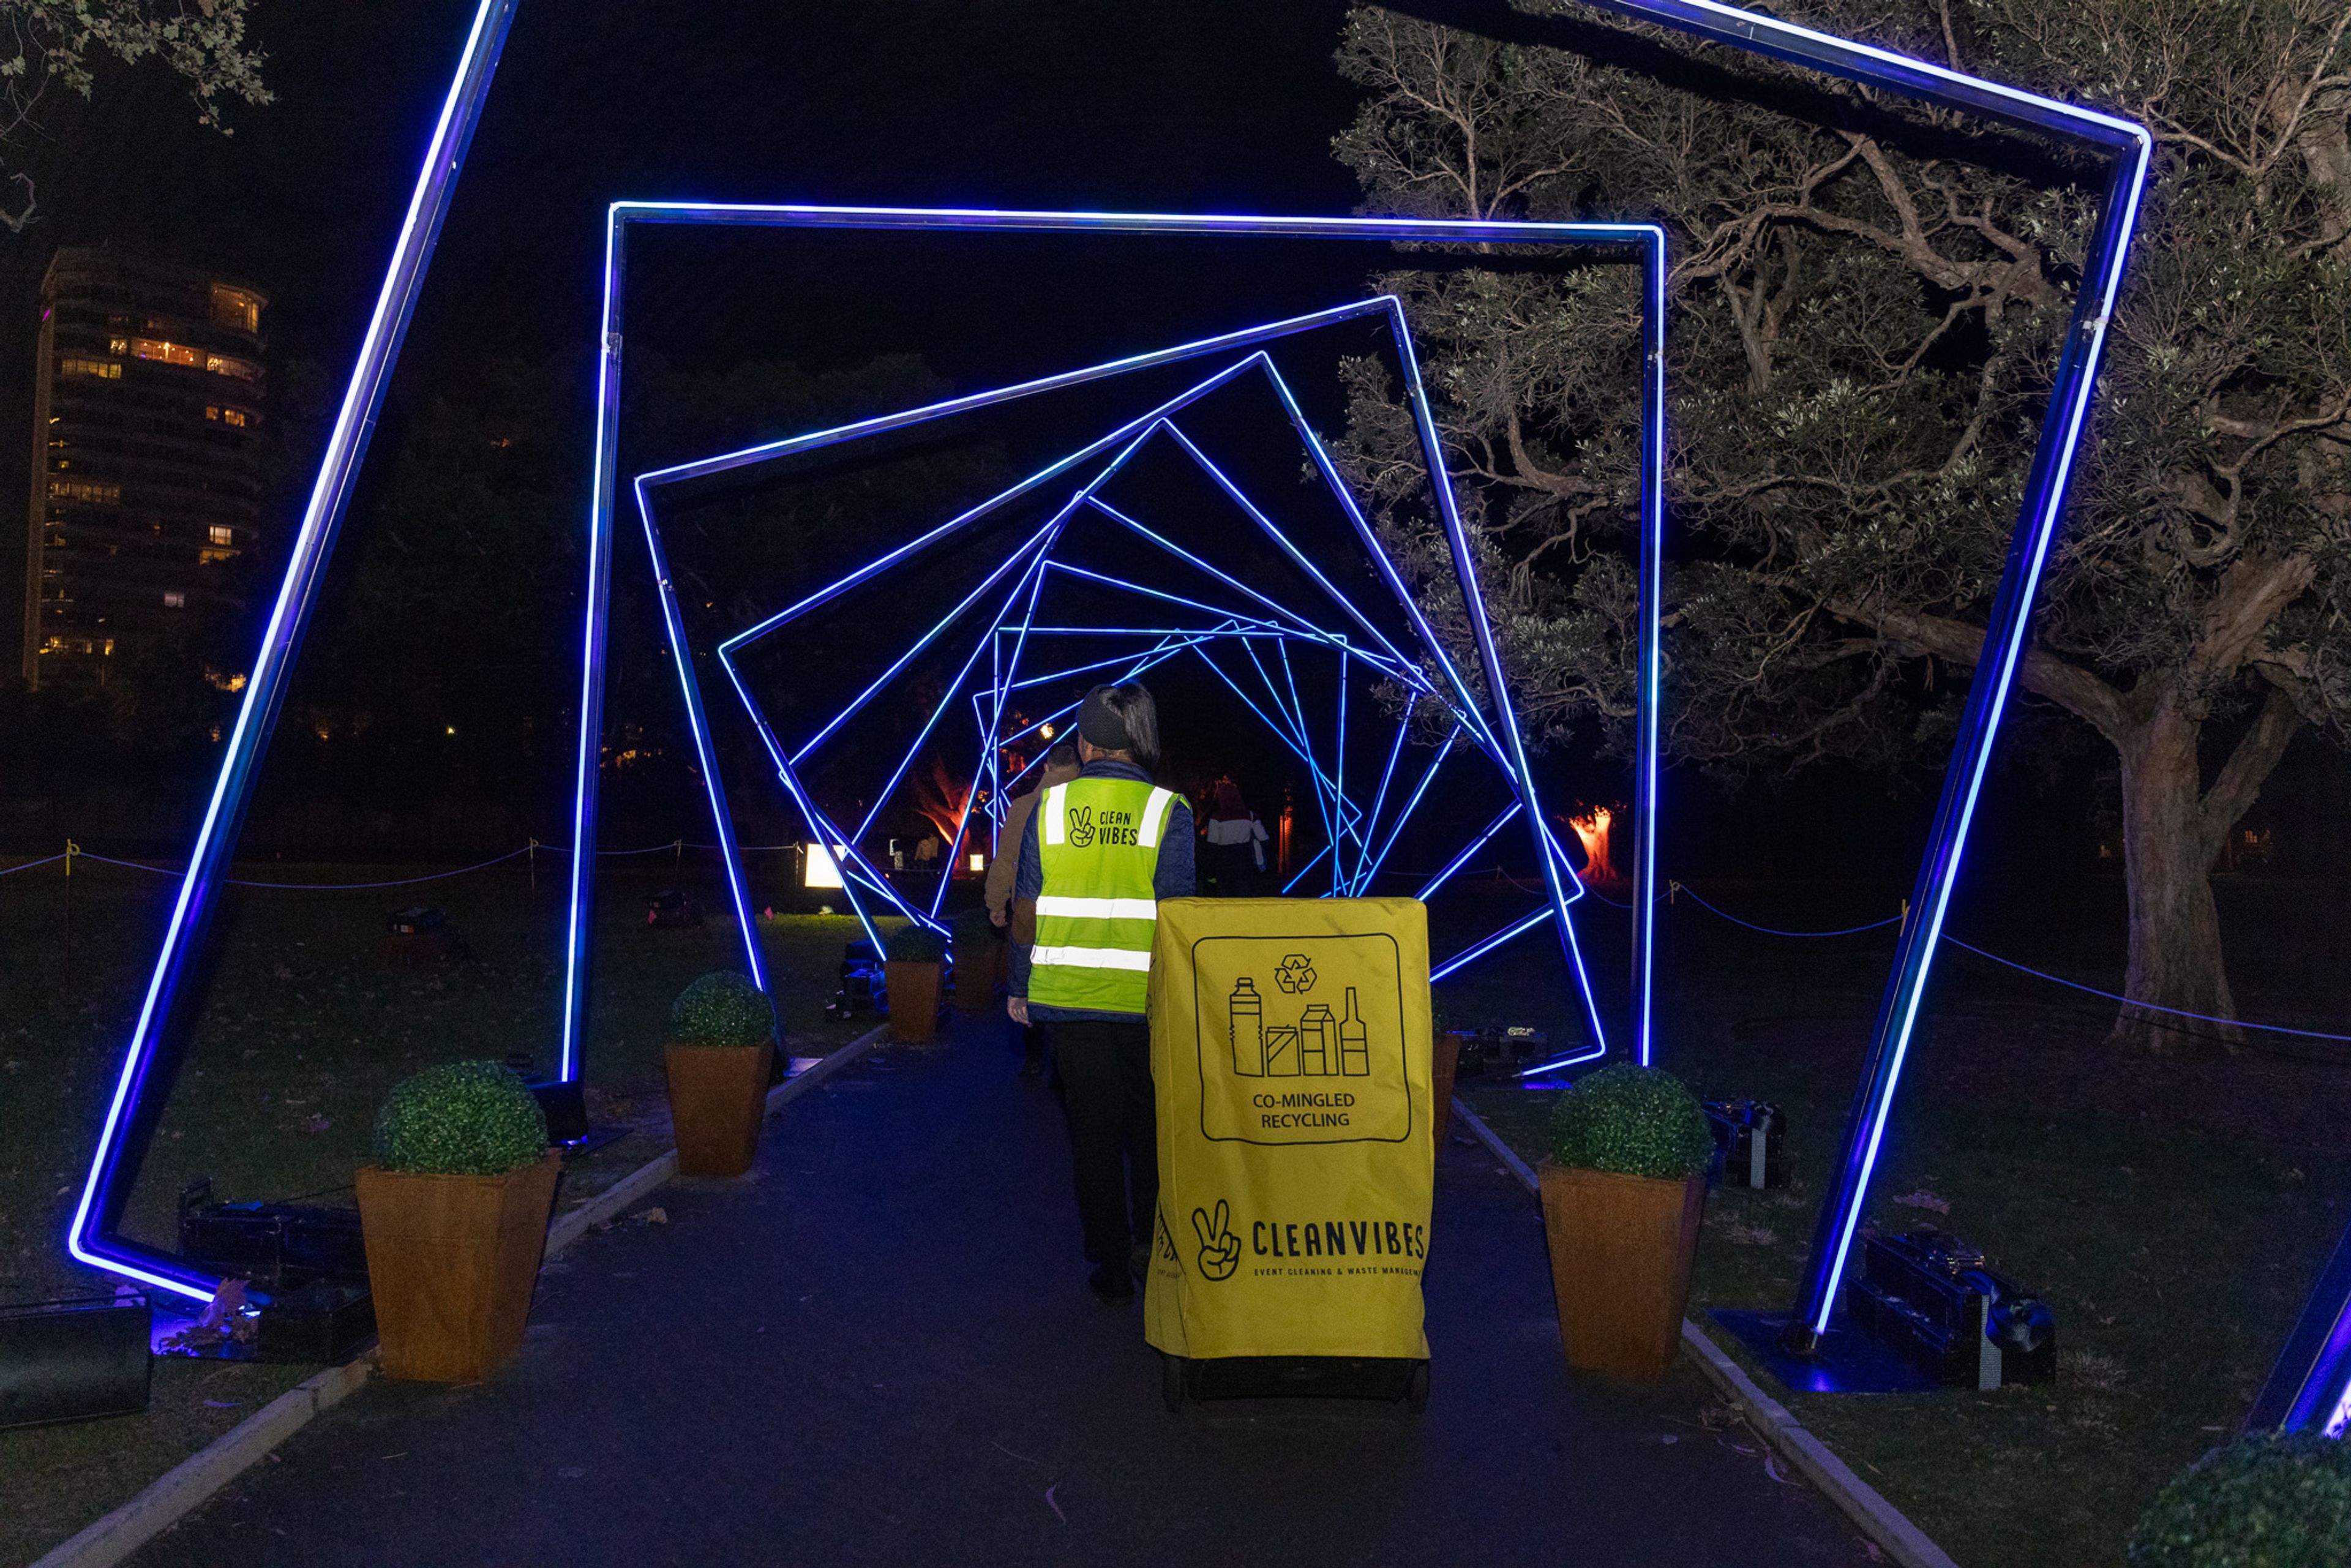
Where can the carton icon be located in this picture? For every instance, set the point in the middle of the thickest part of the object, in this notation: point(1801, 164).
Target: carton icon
point(1318, 1045)
point(1316, 1040)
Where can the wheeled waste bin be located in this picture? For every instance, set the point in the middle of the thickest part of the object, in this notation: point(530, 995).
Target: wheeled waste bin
point(1290, 1050)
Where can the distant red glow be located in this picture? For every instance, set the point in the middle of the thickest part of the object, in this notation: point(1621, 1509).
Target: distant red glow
point(941, 797)
point(1591, 827)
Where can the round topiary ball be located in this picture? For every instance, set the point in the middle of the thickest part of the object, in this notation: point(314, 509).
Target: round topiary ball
point(464, 1118)
point(2274, 1501)
point(1634, 1121)
point(722, 1009)
point(912, 944)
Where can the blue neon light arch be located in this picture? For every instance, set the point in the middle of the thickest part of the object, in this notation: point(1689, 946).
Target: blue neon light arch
point(149, 1058)
point(1427, 671)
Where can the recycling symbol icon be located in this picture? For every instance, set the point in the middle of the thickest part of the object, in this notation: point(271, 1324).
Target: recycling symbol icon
point(1295, 975)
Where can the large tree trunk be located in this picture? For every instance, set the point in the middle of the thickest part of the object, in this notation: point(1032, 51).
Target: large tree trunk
point(2168, 853)
point(2173, 830)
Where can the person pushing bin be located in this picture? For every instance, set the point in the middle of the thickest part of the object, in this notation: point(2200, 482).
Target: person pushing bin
point(1097, 856)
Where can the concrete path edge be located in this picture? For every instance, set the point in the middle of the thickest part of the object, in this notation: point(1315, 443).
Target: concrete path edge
point(1879, 1520)
point(189, 1484)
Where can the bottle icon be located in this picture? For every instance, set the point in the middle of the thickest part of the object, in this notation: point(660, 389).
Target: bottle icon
point(1355, 1048)
point(1246, 1011)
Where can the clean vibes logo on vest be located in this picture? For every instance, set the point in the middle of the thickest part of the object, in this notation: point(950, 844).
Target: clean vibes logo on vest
point(1115, 827)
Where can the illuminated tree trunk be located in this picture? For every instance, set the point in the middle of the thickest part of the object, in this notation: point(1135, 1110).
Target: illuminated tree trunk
point(2168, 854)
point(2173, 831)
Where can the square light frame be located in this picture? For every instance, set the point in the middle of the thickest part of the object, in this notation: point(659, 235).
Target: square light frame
point(149, 1059)
point(1453, 690)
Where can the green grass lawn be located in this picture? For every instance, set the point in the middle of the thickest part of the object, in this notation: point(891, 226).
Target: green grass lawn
point(303, 1028)
point(2172, 1209)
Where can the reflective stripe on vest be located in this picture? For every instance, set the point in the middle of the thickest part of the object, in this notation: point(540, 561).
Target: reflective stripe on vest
point(1098, 846)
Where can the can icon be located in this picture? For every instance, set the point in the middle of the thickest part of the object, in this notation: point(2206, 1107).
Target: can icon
point(1246, 1011)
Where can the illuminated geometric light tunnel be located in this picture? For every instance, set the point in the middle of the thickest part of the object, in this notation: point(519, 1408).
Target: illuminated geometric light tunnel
point(157, 1038)
point(1140, 552)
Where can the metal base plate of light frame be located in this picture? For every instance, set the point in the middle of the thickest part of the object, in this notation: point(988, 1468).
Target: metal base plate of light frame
point(1846, 1359)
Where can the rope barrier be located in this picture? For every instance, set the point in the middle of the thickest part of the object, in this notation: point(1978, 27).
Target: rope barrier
point(2146, 1007)
point(1773, 931)
point(311, 887)
point(1673, 889)
point(2023, 969)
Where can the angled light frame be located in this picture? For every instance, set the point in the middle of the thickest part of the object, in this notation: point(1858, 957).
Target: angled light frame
point(149, 1059)
point(1644, 244)
point(2130, 149)
point(1125, 441)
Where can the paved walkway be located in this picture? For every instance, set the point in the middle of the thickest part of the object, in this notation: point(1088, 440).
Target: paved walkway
point(880, 1349)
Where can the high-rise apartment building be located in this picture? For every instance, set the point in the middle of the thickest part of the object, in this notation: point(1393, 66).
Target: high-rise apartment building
point(146, 458)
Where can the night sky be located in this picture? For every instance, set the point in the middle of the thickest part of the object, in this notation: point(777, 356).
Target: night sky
point(1202, 107)
point(1199, 108)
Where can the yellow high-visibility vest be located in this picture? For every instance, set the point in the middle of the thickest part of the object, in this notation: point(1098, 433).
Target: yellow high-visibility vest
point(1098, 845)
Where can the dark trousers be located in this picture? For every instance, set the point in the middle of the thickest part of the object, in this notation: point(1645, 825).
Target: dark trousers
point(1113, 1132)
point(1232, 869)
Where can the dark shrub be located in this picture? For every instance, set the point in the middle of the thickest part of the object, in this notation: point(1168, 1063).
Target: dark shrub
point(2265, 1501)
point(912, 944)
point(1635, 1121)
point(465, 1118)
point(722, 1009)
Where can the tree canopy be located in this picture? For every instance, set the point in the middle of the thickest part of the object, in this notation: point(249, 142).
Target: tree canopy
point(1867, 297)
point(63, 44)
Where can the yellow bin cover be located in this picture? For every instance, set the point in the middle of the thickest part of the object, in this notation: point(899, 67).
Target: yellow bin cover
point(1289, 1042)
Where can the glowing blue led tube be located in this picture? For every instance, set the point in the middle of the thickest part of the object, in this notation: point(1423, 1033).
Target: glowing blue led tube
point(1396, 668)
point(1445, 873)
point(1364, 868)
point(2309, 1385)
point(707, 758)
point(1443, 749)
point(150, 1060)
point(1346, 819)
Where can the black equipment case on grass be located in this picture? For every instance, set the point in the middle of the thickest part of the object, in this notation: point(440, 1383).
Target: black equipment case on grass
point(307, 1267)
point(1926, 1295)
point(864, 987)
point(276, 1246)
point(1749, 1141)
point(70, 1360)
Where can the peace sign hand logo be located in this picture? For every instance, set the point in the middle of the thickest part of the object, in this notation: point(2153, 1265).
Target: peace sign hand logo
point(1220, 1249)
point(1082, 825)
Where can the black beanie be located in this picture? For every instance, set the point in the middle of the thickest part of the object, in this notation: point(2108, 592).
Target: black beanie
point(1102, 726)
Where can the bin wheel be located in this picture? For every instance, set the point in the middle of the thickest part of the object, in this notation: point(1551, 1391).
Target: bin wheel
point(1416, 1389)
point(1171, 1382)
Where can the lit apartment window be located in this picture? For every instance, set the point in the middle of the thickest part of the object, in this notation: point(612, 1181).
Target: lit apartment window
point(223, 534)
point(207, 556)
point(229, 365)
point(235, 308)
point(104, 370)
point(171, 353)
point(86, 490)
point(118, 347)
point(235, 416)
point(174, 600)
